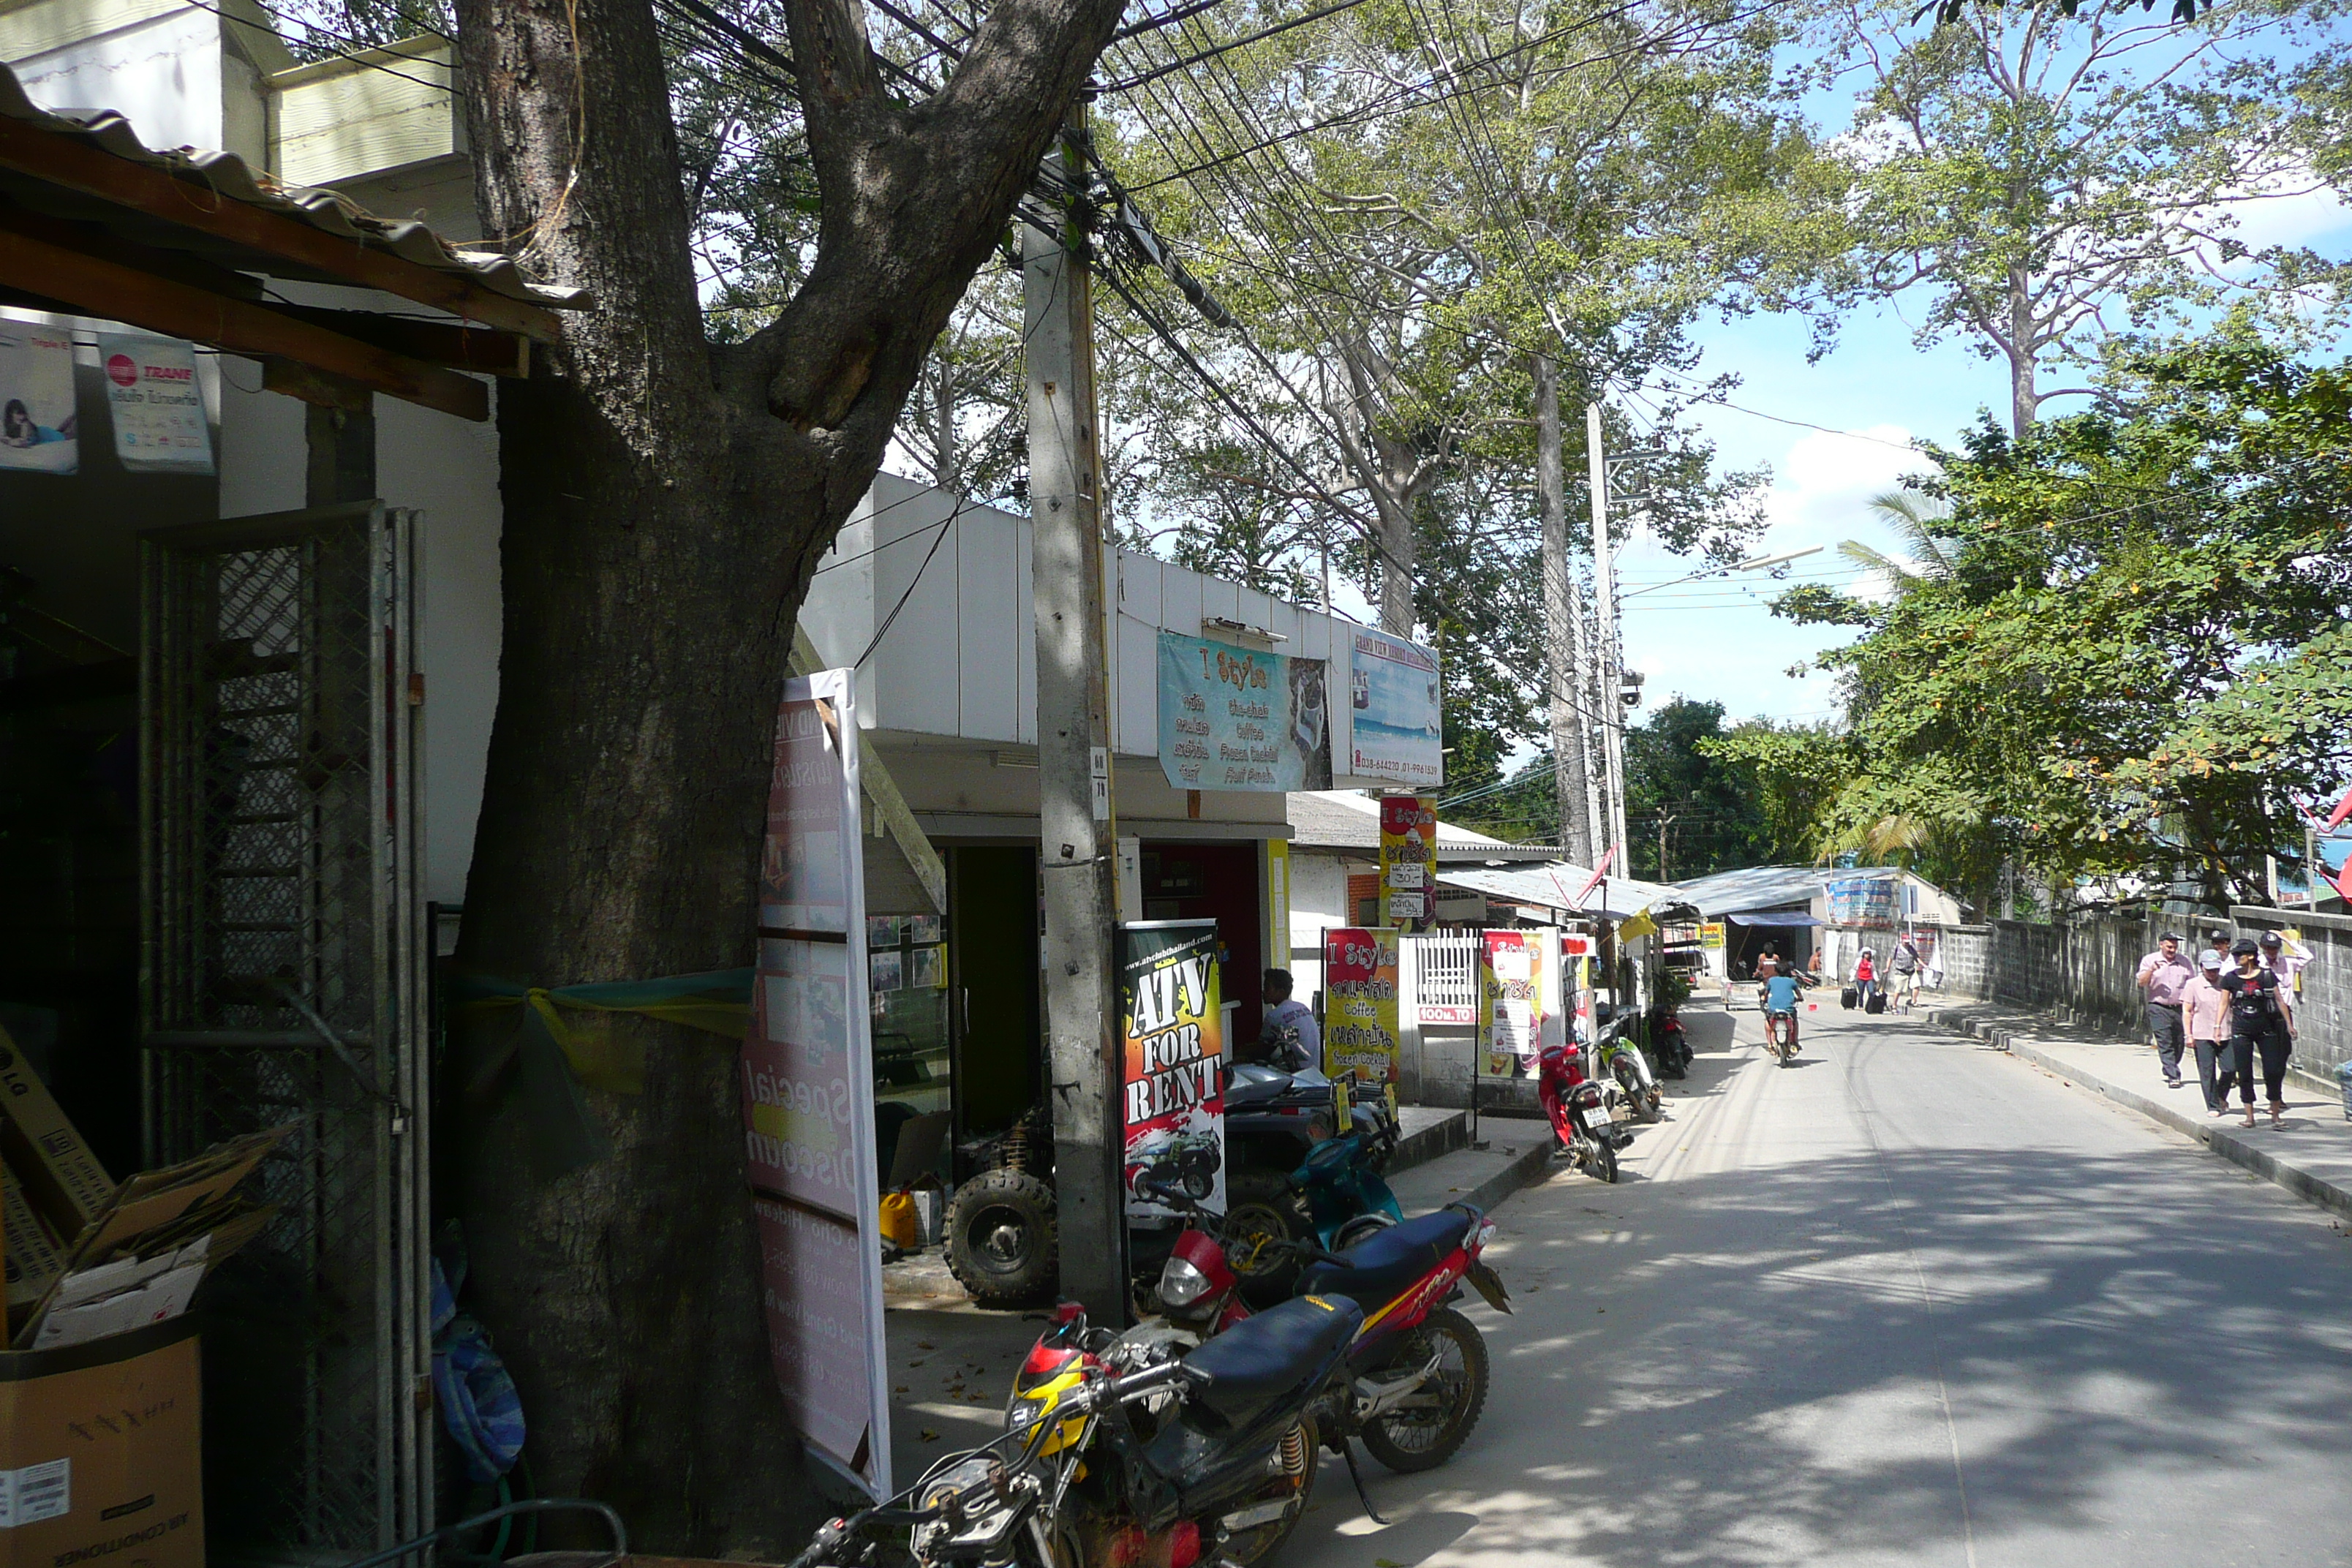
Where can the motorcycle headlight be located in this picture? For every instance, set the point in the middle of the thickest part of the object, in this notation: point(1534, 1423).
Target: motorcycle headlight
point(1180, 1284)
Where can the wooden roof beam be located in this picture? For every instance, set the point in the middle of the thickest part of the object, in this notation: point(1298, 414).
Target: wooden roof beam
point(79, 166)
point(109, 289)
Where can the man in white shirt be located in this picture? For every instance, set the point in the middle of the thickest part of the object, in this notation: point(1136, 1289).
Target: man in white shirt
point(2165, 976)
point(1289, 1028)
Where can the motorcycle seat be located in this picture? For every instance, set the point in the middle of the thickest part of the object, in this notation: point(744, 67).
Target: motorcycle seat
point(1384, 1263)
point(1276, 1355)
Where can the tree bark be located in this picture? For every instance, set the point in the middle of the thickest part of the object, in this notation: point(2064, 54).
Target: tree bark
point(666, 502)
point(1563, 633)
point(2023, 403)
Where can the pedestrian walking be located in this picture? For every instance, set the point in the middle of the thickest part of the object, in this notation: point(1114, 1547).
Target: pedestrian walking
point(1866, 979)
point(1907, 964)
point(2259, 1026)
point(2164, 974)
point(2284, 957)
point(2205, 1014)
point(2217, 941)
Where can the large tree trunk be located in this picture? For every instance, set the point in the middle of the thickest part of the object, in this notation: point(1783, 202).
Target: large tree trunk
point(665, 501)
point(2023, 402)
point(1563, 633)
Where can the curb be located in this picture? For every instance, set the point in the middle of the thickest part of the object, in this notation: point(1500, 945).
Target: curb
point(1431, 1143)
point(2221, 1140)
point(1531, 1166)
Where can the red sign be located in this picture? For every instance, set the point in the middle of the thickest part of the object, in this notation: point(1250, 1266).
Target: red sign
point(122, 370)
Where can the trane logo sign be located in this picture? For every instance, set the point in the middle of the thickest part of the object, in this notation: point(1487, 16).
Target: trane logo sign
point(124, 371)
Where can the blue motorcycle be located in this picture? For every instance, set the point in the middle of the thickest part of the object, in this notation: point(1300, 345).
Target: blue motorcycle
point(1334, 1199)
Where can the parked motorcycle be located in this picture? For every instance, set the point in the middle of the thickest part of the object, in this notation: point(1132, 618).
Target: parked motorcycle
point(1575, 1106)
point(1669, 1043)
point(1618, 1056)
point(1334, 1199)
point(1117, 1454)
point(1419, 1365)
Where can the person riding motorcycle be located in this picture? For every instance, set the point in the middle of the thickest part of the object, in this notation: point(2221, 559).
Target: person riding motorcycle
point(1781, 991)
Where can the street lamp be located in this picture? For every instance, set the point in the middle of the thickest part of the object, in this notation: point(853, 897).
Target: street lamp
point(1756, 566)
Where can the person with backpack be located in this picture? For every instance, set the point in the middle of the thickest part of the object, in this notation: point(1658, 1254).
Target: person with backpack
point(1907, 964)
point(2259, 1024)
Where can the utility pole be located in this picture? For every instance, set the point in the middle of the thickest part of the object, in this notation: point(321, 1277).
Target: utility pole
point(1075, 830)
point(1604, 597)
point(1563, 633)
point(1664, 822)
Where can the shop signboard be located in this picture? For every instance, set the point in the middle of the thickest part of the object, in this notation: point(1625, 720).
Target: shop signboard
point(1240, 718)
point(1172, 1085)
point(1408, 861)
point(159, 410)
point(1710, 936)
point(1510, 1002)
point(36, 400)
point(808, 1093)
point(1862, 900)
point(1576, 956)
point(1361, 1036)
point(1394, 725)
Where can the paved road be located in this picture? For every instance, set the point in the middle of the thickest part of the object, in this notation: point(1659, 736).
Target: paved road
point(1909, 1302)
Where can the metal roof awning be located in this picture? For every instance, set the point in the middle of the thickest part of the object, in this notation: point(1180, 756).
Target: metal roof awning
point(93, 221)
point(1556, 884)
point(1774, 918)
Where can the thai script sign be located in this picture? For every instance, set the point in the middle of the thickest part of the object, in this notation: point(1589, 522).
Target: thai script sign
point(159, 411)
point(1510, 1001)
point(1864, 900)
point(1361, 1036)
point(36, 400)
point(1240, 719)
point(1408, 861)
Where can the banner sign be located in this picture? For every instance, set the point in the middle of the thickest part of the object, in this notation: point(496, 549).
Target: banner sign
point(1510, 1001)
point(1173, 1083)
point(36, 400)
point(1240, 719)
point(808, 1093)
point(1361, 1036)
point(1710, 936)
point(1862, 900)
point(1394, 725)
point(158, 413)
point(1408, 861)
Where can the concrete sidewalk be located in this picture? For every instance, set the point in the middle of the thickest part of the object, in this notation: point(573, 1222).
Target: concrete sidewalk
point(2311, 1156)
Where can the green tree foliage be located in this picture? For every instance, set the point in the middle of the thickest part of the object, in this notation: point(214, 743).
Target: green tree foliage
point(1682, 796)
point(2136, 660)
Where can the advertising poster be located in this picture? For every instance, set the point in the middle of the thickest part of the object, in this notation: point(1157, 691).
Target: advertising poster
point(1710, 936)
point(1172, 1084)
point(1393, 698)
point(1408, 861)
point(159, 411)
point(1362, 1036)
point(1862, 900)
point(1576, 958)
point(36, 400)
point(1510, 1003)
point(1240, 719)
point(808, 1093)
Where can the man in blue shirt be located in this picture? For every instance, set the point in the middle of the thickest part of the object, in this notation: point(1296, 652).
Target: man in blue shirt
point(1780, 994)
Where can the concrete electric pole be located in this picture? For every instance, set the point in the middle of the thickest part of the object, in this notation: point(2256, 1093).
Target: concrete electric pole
point(1563, 625)
point(1604, 598)
point(1074, 811)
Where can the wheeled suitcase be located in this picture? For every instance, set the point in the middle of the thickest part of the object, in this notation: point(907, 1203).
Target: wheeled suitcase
point(1847, 997)
point(1877, 1002)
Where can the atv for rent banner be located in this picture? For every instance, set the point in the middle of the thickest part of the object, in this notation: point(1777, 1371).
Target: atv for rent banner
point(1173, 1086)
point(1361, 1038)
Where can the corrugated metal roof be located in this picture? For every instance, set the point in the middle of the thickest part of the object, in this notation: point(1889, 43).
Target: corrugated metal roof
point(1340, 819)
point(1770, 887)
point(1555, 885)
point(211, 177)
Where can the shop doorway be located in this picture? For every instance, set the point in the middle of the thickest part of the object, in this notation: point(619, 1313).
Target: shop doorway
point(993, 1008)
point(1218, 882)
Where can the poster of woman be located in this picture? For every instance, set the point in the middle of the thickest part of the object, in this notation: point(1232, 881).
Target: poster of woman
point(37, 401)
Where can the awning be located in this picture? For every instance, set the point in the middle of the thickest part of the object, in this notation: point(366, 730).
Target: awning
point(1774, 918)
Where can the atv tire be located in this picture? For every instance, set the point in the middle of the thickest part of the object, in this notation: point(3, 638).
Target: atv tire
point(1003, 1239)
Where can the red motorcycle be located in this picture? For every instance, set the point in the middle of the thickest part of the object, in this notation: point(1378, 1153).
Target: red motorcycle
point(1577, 1109)
point(1418, 1366)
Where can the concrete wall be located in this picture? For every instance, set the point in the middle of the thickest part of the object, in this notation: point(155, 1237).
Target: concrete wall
point(2323, 1011)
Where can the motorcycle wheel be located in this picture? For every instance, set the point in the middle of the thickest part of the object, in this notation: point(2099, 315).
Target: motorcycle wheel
point(1003, 1241)
point(1645, 1101)
point(1417, 1438)
point(1264, 1205)
point(1199, 1184)
point(1295, 1462)
point(1603, 1162)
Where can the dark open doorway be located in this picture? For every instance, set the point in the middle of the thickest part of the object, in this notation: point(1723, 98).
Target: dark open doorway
point(993, 1008)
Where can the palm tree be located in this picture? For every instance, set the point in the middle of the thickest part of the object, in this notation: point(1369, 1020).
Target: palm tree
point(1920, 520)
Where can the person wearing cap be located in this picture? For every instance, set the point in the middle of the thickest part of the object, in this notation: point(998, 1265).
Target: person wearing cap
point(2205, 1015)
point(2257, 1025)
point(2284, 957)
point(2217, 941)
point(2164, 975)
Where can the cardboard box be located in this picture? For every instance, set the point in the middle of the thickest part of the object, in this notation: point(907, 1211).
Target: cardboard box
point(100, 1454)
point(35, 1255)
point(63, 1180)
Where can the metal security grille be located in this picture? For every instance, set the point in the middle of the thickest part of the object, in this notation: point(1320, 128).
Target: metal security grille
point(283, 982)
